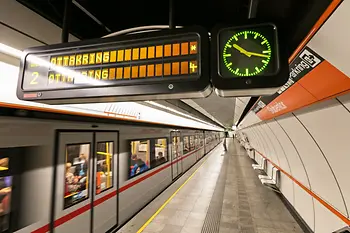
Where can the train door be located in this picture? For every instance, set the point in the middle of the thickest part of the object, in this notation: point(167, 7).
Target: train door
point(197, 146)
point(86, 182)
point(105, 203)
point(176, 161)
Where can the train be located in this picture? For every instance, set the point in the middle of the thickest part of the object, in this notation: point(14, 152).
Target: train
point(60, 175)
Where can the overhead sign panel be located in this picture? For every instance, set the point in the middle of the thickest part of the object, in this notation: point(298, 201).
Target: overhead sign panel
point(248, 60)
point(158, 65)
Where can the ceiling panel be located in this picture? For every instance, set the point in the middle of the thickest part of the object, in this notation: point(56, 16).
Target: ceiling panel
point(221, 109)
point(241, 103)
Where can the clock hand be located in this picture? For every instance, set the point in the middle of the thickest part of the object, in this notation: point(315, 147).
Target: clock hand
point(242, 50)
point(257, 54)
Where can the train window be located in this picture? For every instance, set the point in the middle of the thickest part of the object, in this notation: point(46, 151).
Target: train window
point(159, 152)
point(4, 164)
point(192, 143)
point(140, 157)
point(5, 203)
point(186, 144)
point(201, 139)
point(104, 172)
point(176, 147)
point(77, 170)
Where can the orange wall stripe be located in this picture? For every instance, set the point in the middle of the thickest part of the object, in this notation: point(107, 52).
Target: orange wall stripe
point(295, 97)
point(330, 9)
point(325, 80)
point(325, 204)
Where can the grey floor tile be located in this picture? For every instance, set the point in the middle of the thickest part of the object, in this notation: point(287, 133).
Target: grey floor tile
point(247, 229)
point(191, 229)
point(229, 218)
point(230, 225)
point(265, 230)
point(199, 216)
point(263, 223)
point(155, 227)
point(286, 226)
point(199, 208)
point(228, 230)
point(193, 222)
point(179, 218)
point(171, 229)
point(164, 215)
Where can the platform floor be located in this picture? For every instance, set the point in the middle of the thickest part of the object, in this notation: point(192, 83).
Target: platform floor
point(224, 195)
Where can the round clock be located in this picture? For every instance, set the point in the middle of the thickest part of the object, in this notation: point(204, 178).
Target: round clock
point(247, 53)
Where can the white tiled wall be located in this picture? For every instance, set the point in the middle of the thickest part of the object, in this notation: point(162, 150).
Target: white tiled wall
point(312, 145)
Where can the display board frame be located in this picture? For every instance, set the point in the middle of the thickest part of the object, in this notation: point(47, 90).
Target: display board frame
point(131, 90)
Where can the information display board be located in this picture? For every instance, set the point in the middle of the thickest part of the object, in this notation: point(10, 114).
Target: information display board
point(248, 60)
point(156, 65)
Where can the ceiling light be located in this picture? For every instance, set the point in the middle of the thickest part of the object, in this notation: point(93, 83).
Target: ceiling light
point(10, 51)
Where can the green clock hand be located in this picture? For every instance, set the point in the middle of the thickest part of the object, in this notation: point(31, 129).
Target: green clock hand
point(257, 54)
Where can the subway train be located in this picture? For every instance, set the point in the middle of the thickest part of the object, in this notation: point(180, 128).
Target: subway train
point(70, 176)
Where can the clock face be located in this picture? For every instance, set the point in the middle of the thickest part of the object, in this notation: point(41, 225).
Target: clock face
point(247, 53)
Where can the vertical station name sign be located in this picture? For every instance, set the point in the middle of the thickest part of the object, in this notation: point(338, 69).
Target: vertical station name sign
point(156, 65)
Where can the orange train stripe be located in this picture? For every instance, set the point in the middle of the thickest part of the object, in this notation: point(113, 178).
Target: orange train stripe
point(330, 9)
point(325, 204)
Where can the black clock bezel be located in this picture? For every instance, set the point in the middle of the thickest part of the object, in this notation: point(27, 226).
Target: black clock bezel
point(242, 83)
point(274, 53)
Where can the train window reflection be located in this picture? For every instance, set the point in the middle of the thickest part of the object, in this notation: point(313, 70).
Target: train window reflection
point(140, 157)
point(192, 143)
point(76, 177)
point(104, 172)
point(186, 144)
point(4, 164)
point(159, 150)
point(176, 147)
point(5, 201)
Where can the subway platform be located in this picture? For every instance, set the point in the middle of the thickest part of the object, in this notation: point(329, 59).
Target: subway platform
point(222, 193)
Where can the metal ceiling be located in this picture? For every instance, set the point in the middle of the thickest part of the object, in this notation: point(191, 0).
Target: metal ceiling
point(94, 19)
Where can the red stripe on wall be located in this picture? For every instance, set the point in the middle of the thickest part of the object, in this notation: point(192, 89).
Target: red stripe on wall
point(325, 204)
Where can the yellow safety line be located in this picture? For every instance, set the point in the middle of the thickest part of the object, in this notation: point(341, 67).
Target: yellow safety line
point(171, 197)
